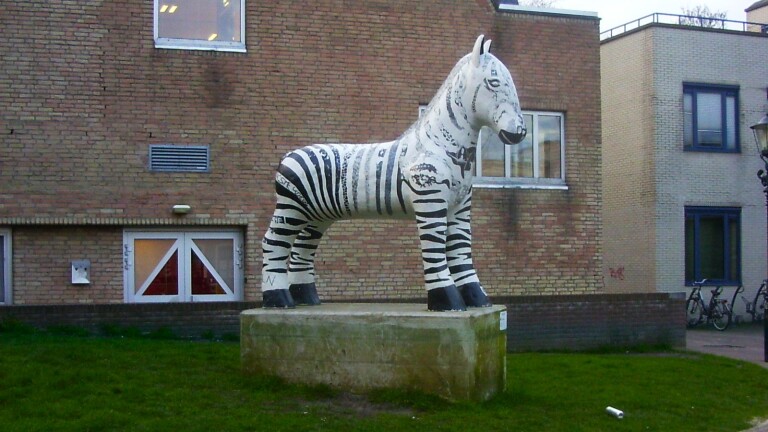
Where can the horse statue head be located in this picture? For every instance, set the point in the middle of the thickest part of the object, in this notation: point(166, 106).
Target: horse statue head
point(494, 97)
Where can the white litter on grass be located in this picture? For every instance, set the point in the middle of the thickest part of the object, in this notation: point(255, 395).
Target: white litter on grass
point(619, 414)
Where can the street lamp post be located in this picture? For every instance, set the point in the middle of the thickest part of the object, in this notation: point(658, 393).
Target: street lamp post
point(760, 129)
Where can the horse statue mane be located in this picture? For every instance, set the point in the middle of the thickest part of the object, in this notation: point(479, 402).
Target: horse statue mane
point(425, 174)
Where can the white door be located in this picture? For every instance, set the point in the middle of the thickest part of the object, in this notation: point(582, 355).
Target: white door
point(172, 266)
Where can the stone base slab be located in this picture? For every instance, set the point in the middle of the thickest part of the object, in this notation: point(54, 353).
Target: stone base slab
point(359, 347)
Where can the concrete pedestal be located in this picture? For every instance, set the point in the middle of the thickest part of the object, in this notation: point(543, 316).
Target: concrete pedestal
point(358, 347)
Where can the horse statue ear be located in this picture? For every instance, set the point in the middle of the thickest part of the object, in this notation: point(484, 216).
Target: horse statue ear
point(477, 51)
point(486, 47)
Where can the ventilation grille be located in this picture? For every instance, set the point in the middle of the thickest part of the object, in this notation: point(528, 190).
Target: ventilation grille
point(176, 158)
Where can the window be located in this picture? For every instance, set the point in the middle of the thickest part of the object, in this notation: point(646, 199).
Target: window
point(712, 245)
point(200, 24)
point(710, 118)
point(539, 158)
point(5, 267)
point(182, 266)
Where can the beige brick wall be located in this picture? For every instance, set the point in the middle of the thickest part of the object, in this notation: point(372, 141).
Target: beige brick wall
point(758, 16)
point(711, 179)
point(628, 164)
point(667, 179)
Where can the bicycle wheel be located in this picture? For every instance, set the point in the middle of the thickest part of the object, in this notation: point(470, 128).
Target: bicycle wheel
point(721, 316)
point(759, 312)
point(694, 311)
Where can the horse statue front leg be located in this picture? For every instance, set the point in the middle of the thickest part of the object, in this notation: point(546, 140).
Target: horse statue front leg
point(430, 205)
point(458, 249)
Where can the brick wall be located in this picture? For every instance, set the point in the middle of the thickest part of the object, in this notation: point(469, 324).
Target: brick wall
point(42, 257)
point(191, 320)
point(629, 202)
point(83, 93)
point(578, 322)
point(535, 323)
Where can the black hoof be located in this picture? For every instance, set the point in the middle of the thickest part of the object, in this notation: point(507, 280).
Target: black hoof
point(305, 294)
point(279, 298)
point(474, 296)
point(445, 299)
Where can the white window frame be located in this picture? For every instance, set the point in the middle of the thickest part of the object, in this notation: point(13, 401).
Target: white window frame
point(535, 182)
point(7, 255)
point(198, 44)
point(183, 243)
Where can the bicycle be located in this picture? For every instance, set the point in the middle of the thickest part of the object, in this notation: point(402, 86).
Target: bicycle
point(717, 312)
point(756, 307)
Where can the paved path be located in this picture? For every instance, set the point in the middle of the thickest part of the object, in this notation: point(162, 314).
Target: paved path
point(744, 342)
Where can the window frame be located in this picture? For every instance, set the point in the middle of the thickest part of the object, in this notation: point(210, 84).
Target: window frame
point(535, 182)
point(198, 44)
point(729, 215)
point(183, 243)
point(6, 261)
point(693, 89)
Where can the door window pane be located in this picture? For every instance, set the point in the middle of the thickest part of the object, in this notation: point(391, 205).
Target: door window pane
point(492, 154)
point(219, 253)
point(166, 282)
point(203, 280)
point(711, 248)
point(710, 120)
point(147, 256)
point(521, 154)
point(688, 120)
point(549, 140)
point(730, 118)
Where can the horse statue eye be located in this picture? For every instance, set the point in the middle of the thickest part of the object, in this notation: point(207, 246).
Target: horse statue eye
point(493, 82)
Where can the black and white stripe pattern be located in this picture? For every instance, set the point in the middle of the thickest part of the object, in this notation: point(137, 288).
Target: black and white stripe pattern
point(426, 174)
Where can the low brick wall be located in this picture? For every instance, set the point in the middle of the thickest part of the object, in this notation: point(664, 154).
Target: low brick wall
point(534, 323)
point(183, 319)
point(581, 322)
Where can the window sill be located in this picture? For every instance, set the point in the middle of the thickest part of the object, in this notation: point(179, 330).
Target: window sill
point(184, 45)
point(509, 183)
point(711, 150)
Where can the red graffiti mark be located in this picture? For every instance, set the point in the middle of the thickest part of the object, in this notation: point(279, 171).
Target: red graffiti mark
point(617, 273)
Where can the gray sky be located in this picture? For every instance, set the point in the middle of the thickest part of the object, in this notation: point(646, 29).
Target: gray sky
point(614, 13)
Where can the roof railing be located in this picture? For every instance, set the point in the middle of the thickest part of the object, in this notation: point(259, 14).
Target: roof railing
point(685, 20)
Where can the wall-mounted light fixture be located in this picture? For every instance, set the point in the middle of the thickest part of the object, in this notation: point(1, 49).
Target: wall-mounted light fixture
point(181, 209)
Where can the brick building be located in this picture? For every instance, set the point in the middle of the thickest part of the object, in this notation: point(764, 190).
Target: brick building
point(140, 139)
point(682, 201)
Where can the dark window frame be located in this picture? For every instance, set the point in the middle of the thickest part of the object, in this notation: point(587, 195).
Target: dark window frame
point(725, 91)
point(729, 216)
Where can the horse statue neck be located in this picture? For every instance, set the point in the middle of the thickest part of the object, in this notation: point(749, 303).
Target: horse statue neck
point(447, 119)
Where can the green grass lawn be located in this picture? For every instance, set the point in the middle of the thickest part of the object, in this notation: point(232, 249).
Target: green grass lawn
point(60, 382)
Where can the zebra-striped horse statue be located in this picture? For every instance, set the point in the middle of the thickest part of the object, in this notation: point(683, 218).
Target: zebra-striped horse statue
point(425, 174)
